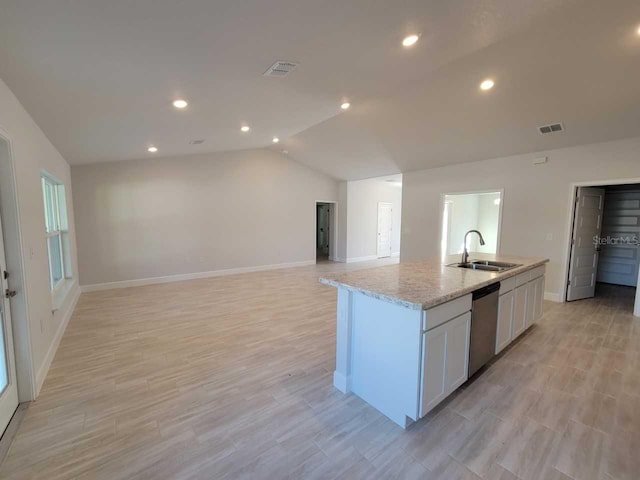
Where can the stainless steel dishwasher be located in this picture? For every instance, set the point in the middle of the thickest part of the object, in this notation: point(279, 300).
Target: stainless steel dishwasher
point(484, 324)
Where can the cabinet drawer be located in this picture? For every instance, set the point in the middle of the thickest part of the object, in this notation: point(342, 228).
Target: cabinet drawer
point(437, 315)
point(523, 278)
point(537, 272)
point(507, 285)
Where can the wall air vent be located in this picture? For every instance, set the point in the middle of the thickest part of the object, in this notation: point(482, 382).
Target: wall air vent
point(280, 69)
point(196, 142)
point(551, 128)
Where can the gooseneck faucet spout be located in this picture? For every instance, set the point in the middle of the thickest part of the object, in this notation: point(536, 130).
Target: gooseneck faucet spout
point(465, 253)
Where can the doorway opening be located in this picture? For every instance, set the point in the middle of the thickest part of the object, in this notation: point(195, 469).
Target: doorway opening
point(325, 231)
point(461, 212)
point(604, 254)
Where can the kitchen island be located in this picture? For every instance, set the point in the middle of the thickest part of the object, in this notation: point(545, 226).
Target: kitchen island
point(403, 331)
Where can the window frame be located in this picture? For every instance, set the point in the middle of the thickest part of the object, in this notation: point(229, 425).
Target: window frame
point(58, 229)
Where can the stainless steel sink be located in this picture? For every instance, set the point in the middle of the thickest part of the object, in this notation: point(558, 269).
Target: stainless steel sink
point(486, 265)
point(493, 263)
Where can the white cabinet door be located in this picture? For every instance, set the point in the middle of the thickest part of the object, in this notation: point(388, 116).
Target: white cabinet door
point(457, 357)
point(519, 311)
point(531, 298)
point(445, 353)
point(505, 320)
point(539, 299)
point(434, 351)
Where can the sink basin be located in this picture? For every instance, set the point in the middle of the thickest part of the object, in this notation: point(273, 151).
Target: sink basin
point(493, 263)
point(486, 265)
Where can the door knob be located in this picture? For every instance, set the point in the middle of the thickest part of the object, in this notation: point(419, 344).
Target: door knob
point(10, 293)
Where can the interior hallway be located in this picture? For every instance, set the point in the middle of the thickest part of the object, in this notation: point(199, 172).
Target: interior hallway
point(231, 377)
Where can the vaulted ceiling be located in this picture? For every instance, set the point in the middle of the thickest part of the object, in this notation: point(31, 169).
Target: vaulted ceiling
point(99, 77)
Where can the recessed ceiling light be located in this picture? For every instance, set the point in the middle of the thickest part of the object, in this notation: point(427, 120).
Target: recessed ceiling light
point(152, 149)
point(638, 31)
point(487, 84)
point(275, 140)
point(245, 128)
point(345, 106)
point(180, 103)
point(410, 40)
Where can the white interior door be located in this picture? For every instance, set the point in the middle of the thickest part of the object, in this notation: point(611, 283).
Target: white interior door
point(385, 211)
point(8, 386)
point(587, 224)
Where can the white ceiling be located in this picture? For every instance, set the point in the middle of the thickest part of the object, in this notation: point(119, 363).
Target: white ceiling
point(99, 77)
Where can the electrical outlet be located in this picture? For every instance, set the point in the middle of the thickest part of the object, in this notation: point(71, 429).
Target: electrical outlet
point(549, 236)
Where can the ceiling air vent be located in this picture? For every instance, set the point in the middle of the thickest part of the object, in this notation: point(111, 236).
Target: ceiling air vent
point(552, 128)
point(196, 142)
point(280, 69)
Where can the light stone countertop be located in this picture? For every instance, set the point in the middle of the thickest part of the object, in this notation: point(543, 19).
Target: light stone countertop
point(425, 284)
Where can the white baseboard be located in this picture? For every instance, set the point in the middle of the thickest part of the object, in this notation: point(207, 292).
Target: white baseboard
point(191, 276)
point(342, 382)
point(362, 259)
point(53, 348)
point(553, 297)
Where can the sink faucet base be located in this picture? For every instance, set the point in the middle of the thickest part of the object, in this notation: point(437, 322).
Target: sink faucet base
point(465, 252)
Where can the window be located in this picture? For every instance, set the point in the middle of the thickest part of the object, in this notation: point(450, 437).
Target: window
point(56, 230)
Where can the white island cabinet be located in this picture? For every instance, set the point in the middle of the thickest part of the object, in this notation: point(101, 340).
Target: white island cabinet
point(520, 305)
point(445, 354)
point(403, 331)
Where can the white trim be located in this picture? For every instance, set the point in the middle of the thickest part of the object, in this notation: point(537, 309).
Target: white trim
point(636, 306)
point(569, 224)
point(362, 259)
point(395, 254)
point(342, 382)
point(191, 276)
point(51, 353)
point(553, 297)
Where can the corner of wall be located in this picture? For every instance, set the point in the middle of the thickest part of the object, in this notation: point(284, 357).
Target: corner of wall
point(553, 297)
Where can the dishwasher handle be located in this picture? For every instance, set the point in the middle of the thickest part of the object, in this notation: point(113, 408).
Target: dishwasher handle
point(484, 291)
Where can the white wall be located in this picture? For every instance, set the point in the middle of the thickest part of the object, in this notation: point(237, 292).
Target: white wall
point(191, 214)
point(342, 212)
point(488, 218)
point(536, 200)
point(36, 329)
point(473, 211)
point(362, 216)
point(463, 217)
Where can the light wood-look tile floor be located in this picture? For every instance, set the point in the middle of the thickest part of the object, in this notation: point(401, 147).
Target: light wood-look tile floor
point(231, 377)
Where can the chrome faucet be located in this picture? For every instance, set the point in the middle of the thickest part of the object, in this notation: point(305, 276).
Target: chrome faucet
point(465, 253)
